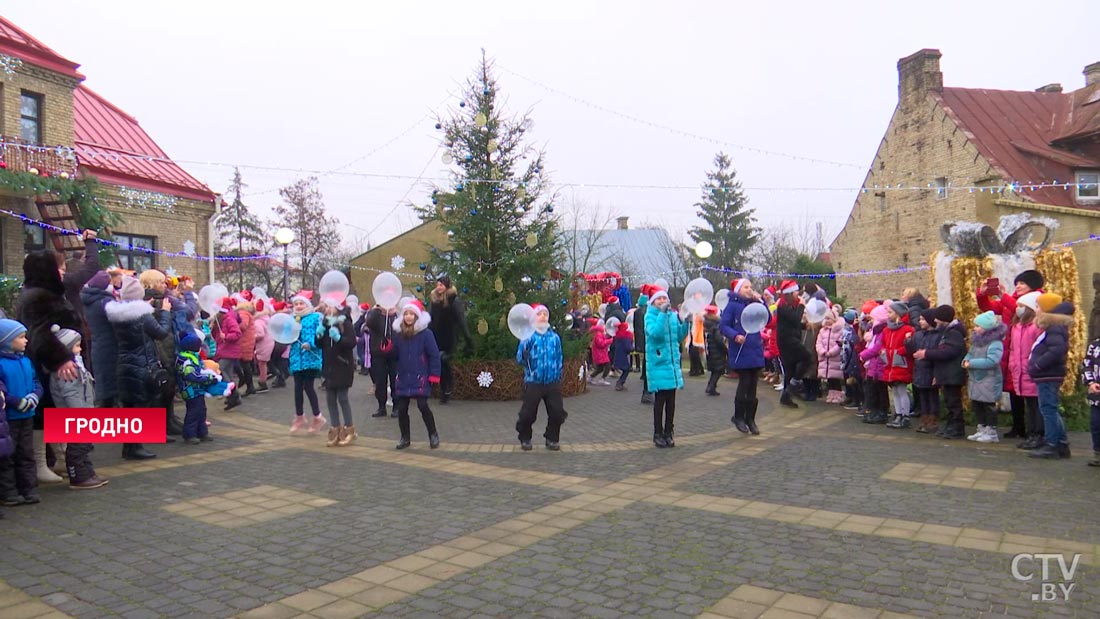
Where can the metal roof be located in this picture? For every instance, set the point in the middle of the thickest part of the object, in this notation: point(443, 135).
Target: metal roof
point(638, 248)
point(15, 42)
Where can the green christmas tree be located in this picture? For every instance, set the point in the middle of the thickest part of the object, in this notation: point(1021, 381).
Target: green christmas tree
point(502, 228)
point(729, 223)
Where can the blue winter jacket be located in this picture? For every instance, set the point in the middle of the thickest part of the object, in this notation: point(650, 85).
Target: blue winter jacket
point(747, 356)
point(418, 364)
point(541, 358)
point(663, 333)
point(190, 379)
point(18, 380)
point(302, 360)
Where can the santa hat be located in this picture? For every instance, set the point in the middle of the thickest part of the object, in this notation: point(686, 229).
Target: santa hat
point(540, 308)
point(259, 305)
point(789, 286)
point(770, 291)
point(416, 307)
point(228, 303)
point(711, 309)
point(657, 295)
point(737, 284)
point(246, 295)
point(304, 295)
point(279, 306)
point(364, 306)
point(611, 299)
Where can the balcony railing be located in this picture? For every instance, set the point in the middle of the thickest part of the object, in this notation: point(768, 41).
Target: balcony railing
point(20, 156)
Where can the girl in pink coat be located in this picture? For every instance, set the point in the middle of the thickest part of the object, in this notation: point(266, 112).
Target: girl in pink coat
point(877, 399)
point(265, 344)
point(601, 354)
point(1026, 422)
point(829, 367)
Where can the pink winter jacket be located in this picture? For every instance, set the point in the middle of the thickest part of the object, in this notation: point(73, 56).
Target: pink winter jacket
point(601, 346)
point(828, 351)
point(227, 335)
point(265, 344)
point(872, 355)
point(1022, 338)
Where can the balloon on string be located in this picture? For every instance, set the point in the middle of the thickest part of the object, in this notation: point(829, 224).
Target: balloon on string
point(722, 298)
point(259, 293)
point(661, 283)
point(697, 295)
point(816, 310)
point(521, 320)
point(334, 287)
point(630, 316)
point(210, 297)
point(754, 317)
point(602, 309)
point(386, 290)
point(612, 327)
point(284, 329)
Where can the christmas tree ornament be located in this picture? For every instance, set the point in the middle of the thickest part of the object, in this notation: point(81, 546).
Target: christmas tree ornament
point(423, 267)
point(33, 171)
point(459, 187)
point(493, 145)
point(451, 234)
point(420, 289)
point(538, 286)
point(550, 209)
point(189, 248)
point(65, 175)
point(512, 297)
point(482, 326)
point(469, 157)
point(521, 192)
point(465, 290)
point(532, 239)
point(397, 262)
point(498, 285)
point(447, 158)
point(480, 120)
point(461, 104)
point(485, 380)
point(473, 211)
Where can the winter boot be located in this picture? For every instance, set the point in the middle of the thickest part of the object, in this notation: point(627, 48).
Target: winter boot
point(136, 451)
point(1095, 461)
point(786, 400)
point(978, 434)
point(45, 475)
point(334, 435)
point(659, 440)
point(403, 443)
point(738, 419)
point(750, 416)
point(647, 397)
point(348, 437)
point(433, 441)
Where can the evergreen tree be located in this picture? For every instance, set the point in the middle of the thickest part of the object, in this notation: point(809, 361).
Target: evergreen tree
point(239, 233)
point(730, 226)
point(501, 228)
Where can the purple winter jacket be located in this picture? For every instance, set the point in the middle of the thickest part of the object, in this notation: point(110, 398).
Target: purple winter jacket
point(872, 355)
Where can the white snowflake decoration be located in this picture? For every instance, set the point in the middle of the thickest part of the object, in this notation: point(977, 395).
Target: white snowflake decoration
point(397, 262)
point(484, 380)
point(189, 248)
point(170, 271)
point(9, 65)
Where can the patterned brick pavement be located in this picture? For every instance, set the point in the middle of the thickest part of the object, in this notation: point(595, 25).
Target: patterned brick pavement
point(819, 517)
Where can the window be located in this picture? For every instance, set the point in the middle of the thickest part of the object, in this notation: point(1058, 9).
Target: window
point(34, 238)
point(1088, 186)
point(135, 259)
point(941, 187)
point(30, 117)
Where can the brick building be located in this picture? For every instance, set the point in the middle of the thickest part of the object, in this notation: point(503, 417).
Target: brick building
point(43, 103)
point(414, 245)
point(966, 154)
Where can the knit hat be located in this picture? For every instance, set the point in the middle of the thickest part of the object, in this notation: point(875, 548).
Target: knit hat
point(868, 306)
point(67, 337)
point(850, 316)
point(986, 320)
point(9, 330)
point(737, 284)
point(1048, 300)
point(878, 315)
point(304, 295)
point(99, 281)
point(1031, 278)
point(190, 341)
point(1030, 300)
point(929, 316)
point(131, 290)
point(658, 295)
point(944, 313)
point(900, 308)
point(788, 286)
point(1064, 308)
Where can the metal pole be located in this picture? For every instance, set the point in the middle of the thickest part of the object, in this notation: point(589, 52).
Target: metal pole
point(286, 272)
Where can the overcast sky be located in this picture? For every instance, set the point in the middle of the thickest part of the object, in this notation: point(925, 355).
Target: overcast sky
point(316, 85)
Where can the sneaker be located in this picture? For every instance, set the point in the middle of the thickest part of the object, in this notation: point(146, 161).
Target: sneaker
point(192, 441)
point(990, 436)
point(553, 445)
point(1095, 461)
point(895, 422)
point(11, 501)
point(92, 482)
point(263, 388)
point(379, 413)
point(619, 387)
point(779, 387)
point(31, 498)
point(977, 435)
point(525, 445)
point(317, 424)
point(851, 406)
point(298, 423)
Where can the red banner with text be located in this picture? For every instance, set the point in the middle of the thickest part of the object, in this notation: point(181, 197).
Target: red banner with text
point(106, 425)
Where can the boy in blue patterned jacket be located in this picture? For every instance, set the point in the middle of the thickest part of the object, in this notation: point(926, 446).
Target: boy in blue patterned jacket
point(541, 358)
point(194, 382)
point(22, 391)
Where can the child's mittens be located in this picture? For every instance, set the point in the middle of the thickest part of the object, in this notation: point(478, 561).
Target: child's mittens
point(28, 403)
point(334, 333)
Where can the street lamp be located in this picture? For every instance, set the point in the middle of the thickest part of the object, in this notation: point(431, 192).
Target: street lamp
point(284, 237)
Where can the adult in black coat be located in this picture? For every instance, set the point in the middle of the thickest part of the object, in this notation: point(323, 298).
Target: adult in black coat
point(94, 297)
point(383, 358)
point(448, 314)
point(789, 325)
point(138, 324)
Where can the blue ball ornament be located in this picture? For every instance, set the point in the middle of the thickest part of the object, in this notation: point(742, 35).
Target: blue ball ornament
point(473, 211)
point(438, 125)
point(423, 267)
point(469, 157)
point(459, 187)
point(461, 104)
point(485, 92)
point(420, 289)
point(538, 286)
point(465, 290)
point(564, 302)
point(550, 209)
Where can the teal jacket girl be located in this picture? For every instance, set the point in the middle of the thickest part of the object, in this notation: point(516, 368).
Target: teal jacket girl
point(663, 333)
point(310, 359)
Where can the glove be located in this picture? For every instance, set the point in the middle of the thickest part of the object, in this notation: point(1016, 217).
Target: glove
point(28, 403)
point(334, 333)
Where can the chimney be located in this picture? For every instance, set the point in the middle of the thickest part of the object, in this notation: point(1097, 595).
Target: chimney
point(622, 222)
point(1092, 74)
point(1050, 89)
point(918, 75)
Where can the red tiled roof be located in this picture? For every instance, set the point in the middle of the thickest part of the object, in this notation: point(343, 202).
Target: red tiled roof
point(15, 42)
point(112, 145)
point(1016, 131)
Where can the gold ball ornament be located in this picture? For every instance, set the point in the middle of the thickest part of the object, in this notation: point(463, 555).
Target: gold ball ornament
point(498, 285)
point(33, 171)
point(493, 146)
point(532, 239)
point(480, 119)
point(512, 298)
point(482, 326)
point(65, 175)
point(521, 192)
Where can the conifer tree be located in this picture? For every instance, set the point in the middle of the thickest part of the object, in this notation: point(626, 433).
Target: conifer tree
point(730, 226)
point(239, 233)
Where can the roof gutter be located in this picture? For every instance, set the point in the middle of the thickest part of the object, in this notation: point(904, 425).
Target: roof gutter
point(210, 235)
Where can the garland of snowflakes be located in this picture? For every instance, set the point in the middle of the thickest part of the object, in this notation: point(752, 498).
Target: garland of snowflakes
point(485, 380)
point(9, 65)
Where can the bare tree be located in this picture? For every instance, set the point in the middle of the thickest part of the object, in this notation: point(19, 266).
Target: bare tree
point(583, 227)
point(674, 256)
point(315, 233)
point(780, 246)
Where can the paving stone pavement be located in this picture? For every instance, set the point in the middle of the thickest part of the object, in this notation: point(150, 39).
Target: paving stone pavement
point(795, 523)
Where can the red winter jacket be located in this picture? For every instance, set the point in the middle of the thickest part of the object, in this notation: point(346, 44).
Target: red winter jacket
point(1005, 307)
point(771, 343)
point(899, 364)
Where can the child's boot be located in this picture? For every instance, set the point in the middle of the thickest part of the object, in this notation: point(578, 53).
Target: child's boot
point(990, 435)
point(334, 435)
point(45, 475)
point(978, 434)
point(349, 435)
point(1095, 460)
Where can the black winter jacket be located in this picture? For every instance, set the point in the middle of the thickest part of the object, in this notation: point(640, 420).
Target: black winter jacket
point(1047, 363)
point(338, 357)
point(104, 344)
point(788, 327)
point(717, 349)
point(380, 327)
point(137, 328)
point(922, 368)
point(946, 353)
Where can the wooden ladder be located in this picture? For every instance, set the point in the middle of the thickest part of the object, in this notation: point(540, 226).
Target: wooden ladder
point(62, 215)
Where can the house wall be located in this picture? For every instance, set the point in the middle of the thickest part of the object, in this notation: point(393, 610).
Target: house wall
point(57, 92)
point(414, 246)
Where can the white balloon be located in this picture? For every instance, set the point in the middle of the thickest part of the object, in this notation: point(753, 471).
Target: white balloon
point(754, 318)
point(259, 293)
point(334, 287)
point(210, 297)
point(661, 283)
point(816, 310)
point(612, 327)
point(704, 249)
point(284, 329)
point(521, 320)
point(386, 290)
point(630, 316)
point(722, 298)
point(602, 310)
point(353, 305)
point(697, 295)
